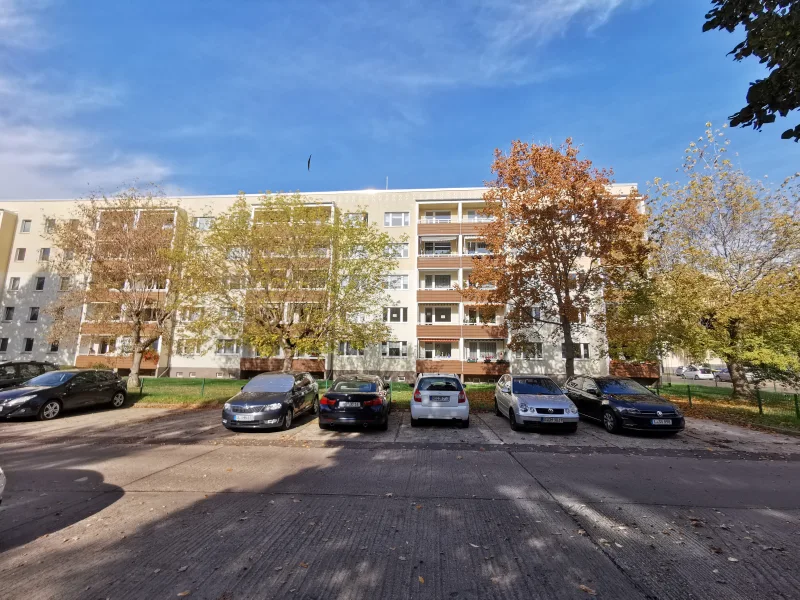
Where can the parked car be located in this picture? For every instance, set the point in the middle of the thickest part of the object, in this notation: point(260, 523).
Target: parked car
point(15, 373)
point(725, 375)
point(272, 400)
point(679, 371)
point(2, 484)
point(532, 400)
point(439, 396)
point(620, 403)
point(48, 395)
point(358, 400)
point(697, 373)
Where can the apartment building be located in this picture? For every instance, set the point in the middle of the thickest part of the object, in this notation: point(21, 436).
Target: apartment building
point(433, 328)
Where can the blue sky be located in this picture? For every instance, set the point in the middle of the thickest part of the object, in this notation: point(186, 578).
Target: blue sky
point(213, 97)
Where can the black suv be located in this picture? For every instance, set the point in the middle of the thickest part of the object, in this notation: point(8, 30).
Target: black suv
point(14, 373)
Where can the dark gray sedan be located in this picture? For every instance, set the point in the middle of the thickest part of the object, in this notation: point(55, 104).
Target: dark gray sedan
point(271, 400)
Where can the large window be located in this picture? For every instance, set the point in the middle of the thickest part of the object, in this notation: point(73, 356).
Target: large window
point(227, 347)
point(438, 314)
point(531, 351)
point(356, 217)
point(438, 282)
point(39, 284)
point(396, 219)
point(203, 223)
point(13, 284)
point(442, 350)
point(33, 314)
point(348, 349)
point(396, 282)
point(437, 248)
point(187, 347)
point(395, 314)
point(394, 349)
point(399, 250)
point(581, 350)
point(25, 226)
point(480, 350)
point(19, 254)
point(476, 247)
point(8, 313)
point(27, 345)
point(44, 254)
point(437, 216)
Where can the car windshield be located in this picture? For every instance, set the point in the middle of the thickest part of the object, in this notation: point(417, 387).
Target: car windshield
point(439, 384)
point(280, 383)
point(535, 385)
point(621, 386)
point(354, 386)
point(51, 379)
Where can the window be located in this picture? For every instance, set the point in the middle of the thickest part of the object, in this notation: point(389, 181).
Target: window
point(355, 217)
point(227, 347)
point(437, 248)
point(396, 219)
point(49, 225)
point(531, 351)
point(39, 285)
point(203, 223)
point(33, 313)
point(583, 316)
point(437, 350)
point(19, 255)
point(347, 349)
point(396, 282)
point(536, 313)
point(437, 216)
point(192, 374)
point(438, 282)
point(64, 283)
point(179, 374)
point(397, 250)
point(237, 254)
point(25, 226)
point(481, 350)
point(192, 313)
point(476, 247)
point(27, 345)
point(437, 314)
point(4, 345)
point(44, 254)
point(395, 314)
point(219, 375)
point(230, 313)
point(394, 349)
point(69, 254)
point(54, 346)
point(187, 347)
point(8, 313)
point(581, 350)
point(13, 284)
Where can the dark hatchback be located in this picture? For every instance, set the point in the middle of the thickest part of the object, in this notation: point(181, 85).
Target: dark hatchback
point(15, 373)
point(271, 400)
point(363, 400)
point(48, 395)
point(620, 403)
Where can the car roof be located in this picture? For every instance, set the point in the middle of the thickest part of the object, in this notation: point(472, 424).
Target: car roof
point(26, 362)
point(359, 378)
point(421, 375)
point(274, 374)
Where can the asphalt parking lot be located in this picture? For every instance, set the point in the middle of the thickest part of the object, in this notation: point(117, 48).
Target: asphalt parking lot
point(152, 503)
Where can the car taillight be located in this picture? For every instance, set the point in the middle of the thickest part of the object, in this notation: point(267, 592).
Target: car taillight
point(417, 396)
point(373, 402)
point(462, 397)
point(327, 401)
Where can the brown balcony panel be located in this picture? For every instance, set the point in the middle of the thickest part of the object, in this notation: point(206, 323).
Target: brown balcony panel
point(439, 366)
point(483, 332)
point(473, 228)
point(86, 361)
point(276, 364)
point(481, 368)
point(438, 228)
point(442, 296)
point(443, 261)
point(439, 331)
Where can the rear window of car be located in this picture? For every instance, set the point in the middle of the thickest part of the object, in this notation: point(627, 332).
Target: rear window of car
point(282, 383)
point(705, 371)
point(535, 385)
point(355, 386)
point(439, 384)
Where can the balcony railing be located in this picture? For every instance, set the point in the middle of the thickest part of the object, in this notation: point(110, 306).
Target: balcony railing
point(454, 219)
point(426, 220)
point(437, 254)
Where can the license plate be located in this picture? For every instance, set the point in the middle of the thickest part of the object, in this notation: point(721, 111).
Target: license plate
point(440, 398)
point(661, 421)
point(350, 404)
point(552, 419)
point(244, 418)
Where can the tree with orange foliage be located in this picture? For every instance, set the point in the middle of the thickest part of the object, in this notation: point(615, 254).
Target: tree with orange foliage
point(559, 235)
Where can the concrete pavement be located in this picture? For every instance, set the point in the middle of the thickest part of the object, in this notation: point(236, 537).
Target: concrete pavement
point(152, 504)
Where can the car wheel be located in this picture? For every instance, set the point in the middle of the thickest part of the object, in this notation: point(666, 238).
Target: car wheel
point(49, 410)
point(385, 425)
point(464, 423)
point(414, 422)
point(315, 406)
point(513, 421)
point(118, 400)
point(696, 377)
point(324, 426)
point(497, 408)
point(287, 420)
point(610, 421)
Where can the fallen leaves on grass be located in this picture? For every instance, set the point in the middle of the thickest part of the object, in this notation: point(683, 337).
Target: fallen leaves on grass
point(587, 589)
point(421, 579)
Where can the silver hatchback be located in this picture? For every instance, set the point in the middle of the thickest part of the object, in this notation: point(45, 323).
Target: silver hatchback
point(534, 400)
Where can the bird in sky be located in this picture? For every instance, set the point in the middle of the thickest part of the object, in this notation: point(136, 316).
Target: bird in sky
point(309, 162)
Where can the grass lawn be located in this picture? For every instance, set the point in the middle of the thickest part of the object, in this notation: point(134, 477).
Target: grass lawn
point(213, 393)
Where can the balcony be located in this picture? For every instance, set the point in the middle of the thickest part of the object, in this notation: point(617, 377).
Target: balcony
point(442, 295)
point(461, 367)
point(108, 361)
point(487, 331)
point(438, 261)
point(438, 366)
point(437, 331)
point(264, 364)
point(451, 225)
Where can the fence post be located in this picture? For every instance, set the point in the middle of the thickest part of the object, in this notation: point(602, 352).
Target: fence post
point(689, 389)
point(758, 397)
point(796, 407)
point(203, 387)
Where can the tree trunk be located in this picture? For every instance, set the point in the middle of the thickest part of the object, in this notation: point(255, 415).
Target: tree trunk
point(134, 381)
point(742, 389)
point(330, 371)
point(566, 328)
point(288, 357)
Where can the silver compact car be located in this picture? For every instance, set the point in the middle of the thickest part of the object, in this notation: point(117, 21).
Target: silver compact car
point(534, 401)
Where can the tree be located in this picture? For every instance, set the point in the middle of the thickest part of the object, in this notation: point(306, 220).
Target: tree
point(121, 259)
point(772, 34)
point(293, 277)
point(558, 238)
point(728, 264)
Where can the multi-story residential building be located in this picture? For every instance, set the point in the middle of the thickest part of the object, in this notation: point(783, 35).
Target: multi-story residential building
point(433, 327)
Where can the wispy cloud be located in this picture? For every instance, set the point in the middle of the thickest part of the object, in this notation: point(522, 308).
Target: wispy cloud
point(43, 154)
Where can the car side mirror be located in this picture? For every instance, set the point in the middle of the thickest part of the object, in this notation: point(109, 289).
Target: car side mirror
point(593, 391)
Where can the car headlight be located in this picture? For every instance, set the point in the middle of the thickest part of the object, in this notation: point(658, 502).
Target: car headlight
point(227, 406)
point(630, 411)
point(573, 409)
point(20, 400)
point(273, 406)
point(523, 407)
point(678, 412)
